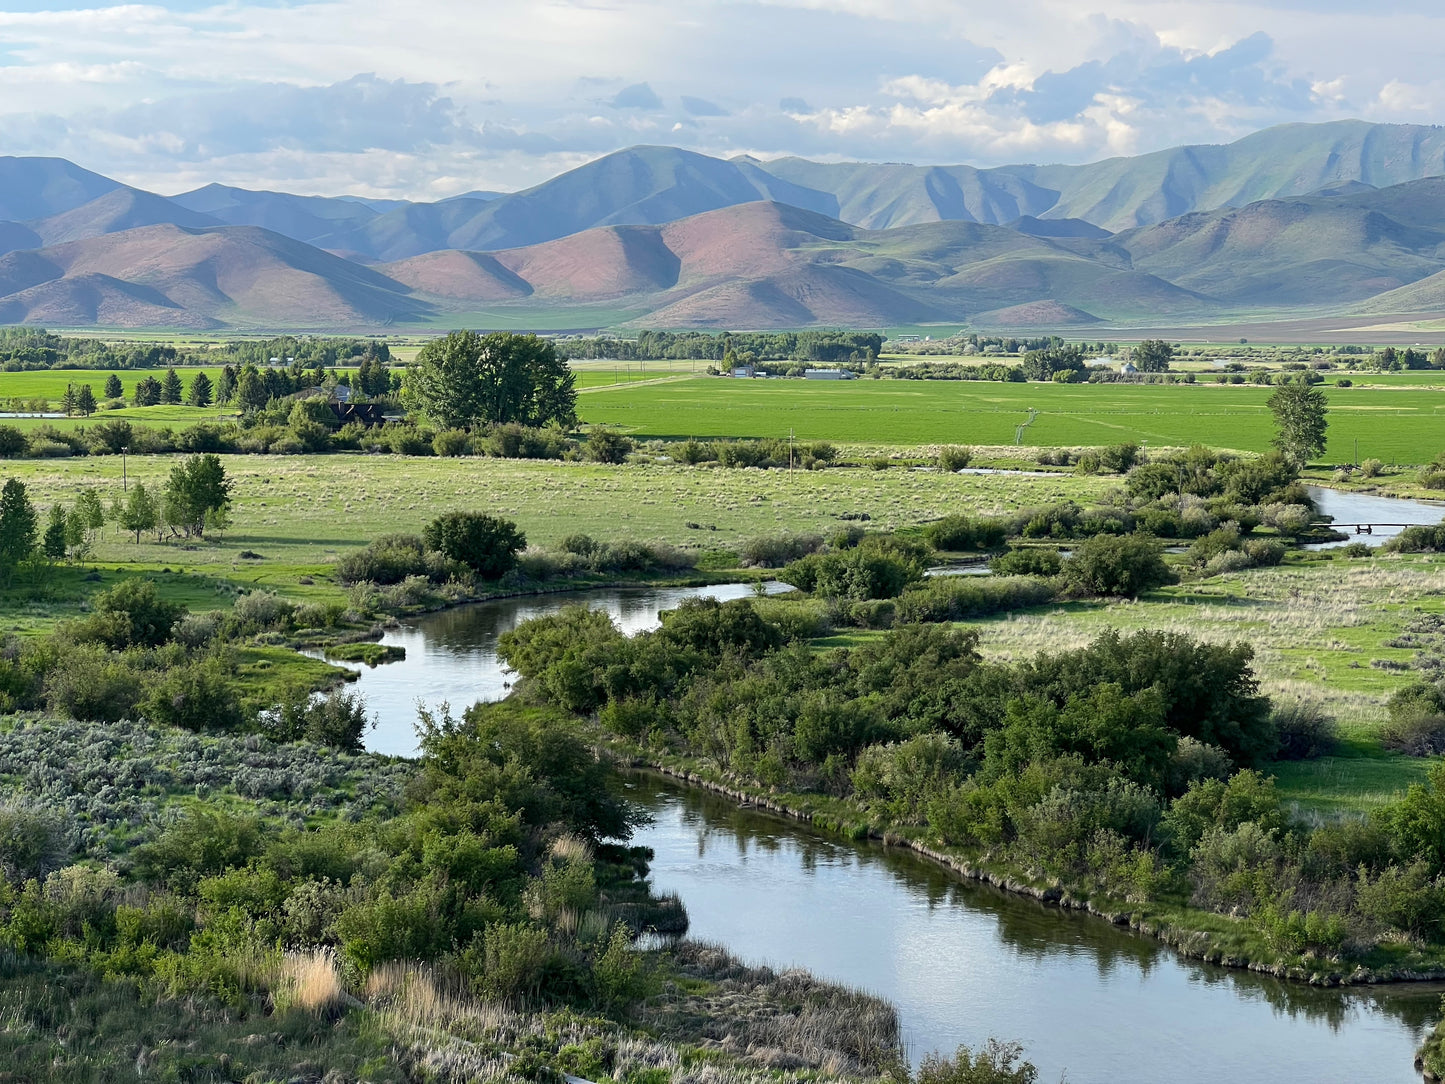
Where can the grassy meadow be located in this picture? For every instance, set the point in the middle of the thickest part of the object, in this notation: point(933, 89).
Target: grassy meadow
point(1396, 424)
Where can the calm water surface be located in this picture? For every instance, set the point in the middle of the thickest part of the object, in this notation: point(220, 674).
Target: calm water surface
point(451, 656)
point(961, 962)
point(1367, 508)
point(966, 962)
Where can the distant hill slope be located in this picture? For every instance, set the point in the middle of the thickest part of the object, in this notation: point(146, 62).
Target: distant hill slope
point(32, 188)
point(168, 275)
point(649, 185)
point(123, 259)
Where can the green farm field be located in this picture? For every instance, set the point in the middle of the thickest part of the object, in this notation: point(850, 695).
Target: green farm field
point(1395, 425)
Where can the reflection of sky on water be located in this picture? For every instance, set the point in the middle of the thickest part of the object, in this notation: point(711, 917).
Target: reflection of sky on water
point(965, 962)
point(1366, 508)
point(451, 656)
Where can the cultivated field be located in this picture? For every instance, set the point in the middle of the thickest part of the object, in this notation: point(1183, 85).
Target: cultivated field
point(1396, 424)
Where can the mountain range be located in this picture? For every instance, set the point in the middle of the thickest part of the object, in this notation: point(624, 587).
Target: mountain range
point(1344, 217)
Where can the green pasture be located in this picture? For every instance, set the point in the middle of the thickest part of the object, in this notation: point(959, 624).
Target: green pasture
point(1395, 425)
point(51, 383)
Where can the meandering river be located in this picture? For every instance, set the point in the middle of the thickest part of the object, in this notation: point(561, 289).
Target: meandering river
point(962, 962)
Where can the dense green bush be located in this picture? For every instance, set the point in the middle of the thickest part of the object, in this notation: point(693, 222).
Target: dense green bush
point(878, 567)
point(1028, 561)
point(391, 559)
point(959, 532)
point(1126, 565)
point(958, 598)
point(774, 551)
point(488, 545)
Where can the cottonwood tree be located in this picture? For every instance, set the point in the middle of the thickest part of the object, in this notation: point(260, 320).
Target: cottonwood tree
point(197, 485)
point(466, 380)
point(1152, 356)
point(139, 512)
point(1299, 417)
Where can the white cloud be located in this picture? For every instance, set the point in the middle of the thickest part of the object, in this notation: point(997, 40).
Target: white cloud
point(416, 99)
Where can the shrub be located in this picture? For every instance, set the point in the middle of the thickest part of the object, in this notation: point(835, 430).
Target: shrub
point(131, 613)
point(1371, 468)
point(959, 532)
point(89, 682)
point(34, 840)
point(1028, 561)
point(1419, 539)
point(994, 1063)
point(197, 696)
point(516, 441)
point(1125, 565)
point(608, 446)
point(391, 559)
point(488, 545)
point(879, 567)
point(957, 598)
point(337, 719)
point(902, 778)
point(451, 443)
point(12, 442)
point(260, 610)
point(1304, 730)
point(1417, 720)
point(774, 551)
point(953, 458)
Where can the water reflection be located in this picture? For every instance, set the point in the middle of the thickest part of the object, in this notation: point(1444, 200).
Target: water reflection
point(451, 655)
point(1350, 508)
point(964, 962)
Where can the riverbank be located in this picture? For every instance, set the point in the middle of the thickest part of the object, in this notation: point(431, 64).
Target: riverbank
point(1194, 934)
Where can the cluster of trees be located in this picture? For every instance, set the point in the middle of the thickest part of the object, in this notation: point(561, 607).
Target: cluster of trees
point(1127, 768)
point(29, 349)
point(467, 380)
point(1391, 360)
point(196, 497)
point(746, 346)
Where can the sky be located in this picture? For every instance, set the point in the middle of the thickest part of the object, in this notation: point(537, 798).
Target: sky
point(424, 99)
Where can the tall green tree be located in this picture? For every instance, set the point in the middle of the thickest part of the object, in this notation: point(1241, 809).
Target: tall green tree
point(200, 393)
point(56, 534)
point(467, 379)
point(171, 388)
point(113, 389)
point(1152, 356)
point(251, 391)
point(1299, 416)
point(148, 391)
point(139, 513)
point(67, 401)
point(197, 485)
point(85, 400)
point(226, 385)
point(18, 525)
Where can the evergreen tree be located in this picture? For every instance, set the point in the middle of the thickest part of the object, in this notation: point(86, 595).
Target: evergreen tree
point(85, 400)
point(113, 390)
point(171, 388)
point(54, 543)
point(67, 401)
point(226, 386)
point(148, 391)
point(200, 394)
point(251, 391)
point(18, 525)
point(139, 512)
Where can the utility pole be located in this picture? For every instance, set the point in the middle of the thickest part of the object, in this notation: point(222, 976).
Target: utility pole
point(124, 485)
point(790, 455)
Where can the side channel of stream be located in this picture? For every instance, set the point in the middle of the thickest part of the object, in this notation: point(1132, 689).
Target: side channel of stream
point(961, 961)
